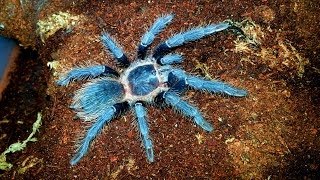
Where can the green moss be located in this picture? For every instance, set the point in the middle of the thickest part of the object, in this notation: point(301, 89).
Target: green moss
point(19, 146)
point(49, 26)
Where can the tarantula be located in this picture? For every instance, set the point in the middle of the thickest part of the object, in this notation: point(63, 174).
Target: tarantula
point(148, 79)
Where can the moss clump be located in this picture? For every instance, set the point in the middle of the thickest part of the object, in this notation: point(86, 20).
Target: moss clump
point(49, 26)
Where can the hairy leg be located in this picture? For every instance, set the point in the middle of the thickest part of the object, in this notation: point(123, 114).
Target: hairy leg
point(115, 50)
point(186, 109)
point(86, 73)
point(140, 111)
point(92, 132)
point(149, 36)
point(170, 59)
point(95, 129)
point(187, 36)
point(213, 86)
point(95, 96)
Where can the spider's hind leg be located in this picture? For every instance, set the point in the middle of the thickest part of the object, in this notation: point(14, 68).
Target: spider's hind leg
point(144, 130)
point(85, 73)
point(186, 109)
point(95, 129)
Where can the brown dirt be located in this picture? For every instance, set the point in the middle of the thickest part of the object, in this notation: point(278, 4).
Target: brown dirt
point(272, 133)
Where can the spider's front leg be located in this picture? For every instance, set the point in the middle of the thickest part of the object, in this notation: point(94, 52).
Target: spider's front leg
point(115, 50)
point(149, 36)
point(86, 73)
point(140, 112)
point(187, 36)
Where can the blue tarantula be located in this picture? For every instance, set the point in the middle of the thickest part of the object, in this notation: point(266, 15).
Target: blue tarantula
point(149, 79)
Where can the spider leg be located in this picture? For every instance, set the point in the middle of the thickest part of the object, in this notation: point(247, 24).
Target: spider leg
point(84, 73)
point(115, 50)
point(144, 130)
point(170, 59)
point(149, 36)
point(92, 100)
point(214, 86)
point(187, 36)
point(177, 81)
point(186, 109)
point(199, 83)
point(95, 129)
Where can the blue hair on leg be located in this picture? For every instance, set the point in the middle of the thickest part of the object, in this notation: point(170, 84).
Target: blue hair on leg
point(194, 34)
point(177, 81)
point(170, 59)
point(155, 29)
point(215, 86)
point(92, 99)
point(187, 36)
point(109, 70)
point(115, 50)
point(149, 36)
point(160, 51)
point(84, 73)
point(186, 109)
point(92, 132)
point(144, 130)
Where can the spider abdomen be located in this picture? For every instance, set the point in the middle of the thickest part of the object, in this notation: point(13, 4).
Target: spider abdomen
point(143, 80)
